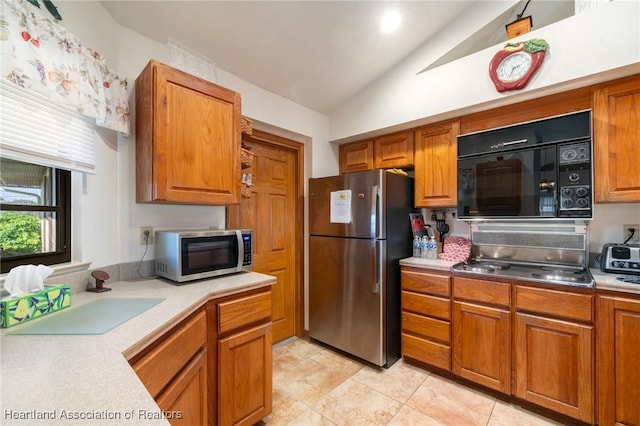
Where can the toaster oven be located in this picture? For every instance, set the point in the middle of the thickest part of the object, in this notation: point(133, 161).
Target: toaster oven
point(620, 258)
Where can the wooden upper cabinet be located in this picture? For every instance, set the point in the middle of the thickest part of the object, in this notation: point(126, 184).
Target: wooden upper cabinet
point(435, 160)
point(356, 157)
point(393, 151)
point(187, 139)
point(616, 140)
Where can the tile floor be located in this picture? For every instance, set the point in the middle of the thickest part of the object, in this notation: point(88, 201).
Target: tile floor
point(313, 385)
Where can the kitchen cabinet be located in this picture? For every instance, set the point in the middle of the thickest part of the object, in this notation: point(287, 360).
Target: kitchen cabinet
point(554, 350)
point(482, 332)
point(384, 152)
point(435, 160)
point(426, 316)
point(215, 367)
point(244, 364)
point(174, 371)
point(393, 151)
point(187, 139)
point(356, 157)
point(616, 141)
point(618, 340)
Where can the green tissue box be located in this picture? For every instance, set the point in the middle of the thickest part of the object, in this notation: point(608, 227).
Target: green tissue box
point(20, 309)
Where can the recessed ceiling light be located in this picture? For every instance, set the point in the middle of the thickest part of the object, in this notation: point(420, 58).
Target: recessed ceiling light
point(390, 22)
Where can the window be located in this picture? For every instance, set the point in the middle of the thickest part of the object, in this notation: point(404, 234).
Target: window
point(35, 214)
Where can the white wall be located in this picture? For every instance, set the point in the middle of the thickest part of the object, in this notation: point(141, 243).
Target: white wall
point(106, 217)
point(596, 45)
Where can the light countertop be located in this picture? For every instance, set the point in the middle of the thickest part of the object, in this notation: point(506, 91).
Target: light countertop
point(604, 281)
point(86, 379)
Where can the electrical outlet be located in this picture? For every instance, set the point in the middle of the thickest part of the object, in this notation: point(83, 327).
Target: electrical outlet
point(626, 233)
point(143, 237)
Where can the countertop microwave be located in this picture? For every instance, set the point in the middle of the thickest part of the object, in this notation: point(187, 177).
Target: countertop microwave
point(195, 254)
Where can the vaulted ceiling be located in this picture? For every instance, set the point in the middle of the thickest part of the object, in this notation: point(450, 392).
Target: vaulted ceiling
point(316, 53)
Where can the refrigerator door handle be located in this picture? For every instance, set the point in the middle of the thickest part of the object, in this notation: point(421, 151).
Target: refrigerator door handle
point(380, 267)
point(375, 195)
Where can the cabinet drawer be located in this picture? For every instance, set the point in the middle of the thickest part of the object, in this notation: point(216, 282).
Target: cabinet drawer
point(426, 327)
point(424, 282)
point(556, 303)
point(426, 305)
point(240, 312)
point(426, 351)
point(482, 291)
point(171, 354)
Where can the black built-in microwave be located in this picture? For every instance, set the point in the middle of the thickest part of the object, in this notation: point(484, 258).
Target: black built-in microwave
point(535, 170)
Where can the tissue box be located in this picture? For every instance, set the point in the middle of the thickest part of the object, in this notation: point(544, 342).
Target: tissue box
point(20, 309)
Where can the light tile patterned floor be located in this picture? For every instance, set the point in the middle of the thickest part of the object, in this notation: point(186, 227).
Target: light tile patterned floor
point(313, 385)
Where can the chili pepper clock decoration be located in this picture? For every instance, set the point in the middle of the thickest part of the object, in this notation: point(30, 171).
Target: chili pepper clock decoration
point(512, 67)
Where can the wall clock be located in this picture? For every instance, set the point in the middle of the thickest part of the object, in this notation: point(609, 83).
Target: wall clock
point(512, 67)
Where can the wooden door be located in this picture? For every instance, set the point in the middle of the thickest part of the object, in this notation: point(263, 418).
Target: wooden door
point(435, 157)
point(245, 370)
point(356, 157)
point(482, 345)
point(616, 141)
point(274, 212)
point(185, 401)
point(618, 374)
point(555, 365)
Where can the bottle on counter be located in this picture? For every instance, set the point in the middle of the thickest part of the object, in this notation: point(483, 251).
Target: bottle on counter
point(432, 248)
point(417, 245)
point(424, 245)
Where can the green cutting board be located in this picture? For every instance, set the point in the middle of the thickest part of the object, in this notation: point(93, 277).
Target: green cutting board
point(96, 317)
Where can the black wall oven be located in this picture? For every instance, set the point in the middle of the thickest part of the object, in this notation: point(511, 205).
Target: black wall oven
point(535, 170)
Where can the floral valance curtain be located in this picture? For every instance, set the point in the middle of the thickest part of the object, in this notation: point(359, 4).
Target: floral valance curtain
point(39, 54)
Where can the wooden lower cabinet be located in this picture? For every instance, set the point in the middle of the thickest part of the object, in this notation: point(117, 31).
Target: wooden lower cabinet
point(618, 343)
point(553, 349)
point(174, 371)
point(184, 402)
point(245, 369)
point(554, 365)
point(426, 317)
point(215, 367)
point(481, 345)
point(244, 363)
point(482, 332)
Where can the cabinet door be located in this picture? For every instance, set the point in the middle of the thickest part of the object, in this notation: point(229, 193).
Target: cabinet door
point(184, 402)
point(188, 140)
point(618, 374)
point(394, 150)
point(555, 365)
point(356, 157)
point(481, 345)
point(616, 140)
point(244, 374)
point(435, 158)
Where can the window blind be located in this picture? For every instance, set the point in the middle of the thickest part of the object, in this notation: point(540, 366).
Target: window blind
point(35, 130)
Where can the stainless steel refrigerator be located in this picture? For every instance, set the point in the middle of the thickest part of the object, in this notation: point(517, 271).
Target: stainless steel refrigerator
point(359, 230)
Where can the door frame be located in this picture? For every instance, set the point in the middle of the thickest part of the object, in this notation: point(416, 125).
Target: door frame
point(233, 216)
